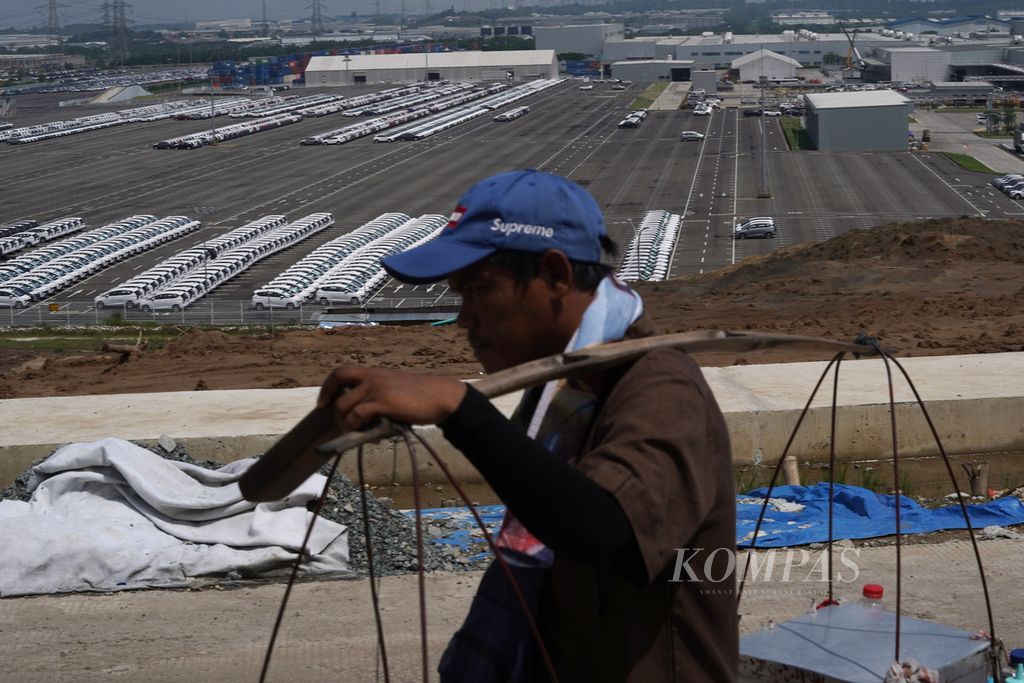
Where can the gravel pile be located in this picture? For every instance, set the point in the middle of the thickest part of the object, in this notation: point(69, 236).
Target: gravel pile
point(392, 534)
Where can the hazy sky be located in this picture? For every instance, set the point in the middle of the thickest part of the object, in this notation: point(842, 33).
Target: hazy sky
point(23, 13)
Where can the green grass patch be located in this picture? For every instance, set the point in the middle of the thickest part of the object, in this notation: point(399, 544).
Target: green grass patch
point(57, 339)
point(968, 163)
point(647, 98)
point(796, 136)
point(994, 136)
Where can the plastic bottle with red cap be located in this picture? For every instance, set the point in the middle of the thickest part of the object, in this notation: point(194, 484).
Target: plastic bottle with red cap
point(872, 595)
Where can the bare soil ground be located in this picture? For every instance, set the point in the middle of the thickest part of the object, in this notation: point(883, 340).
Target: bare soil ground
point(939, 287)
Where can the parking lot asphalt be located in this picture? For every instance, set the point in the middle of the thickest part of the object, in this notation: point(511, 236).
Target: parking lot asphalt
point(112, 173)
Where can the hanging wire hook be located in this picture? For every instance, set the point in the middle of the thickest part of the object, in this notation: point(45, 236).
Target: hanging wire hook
point(997, 671)
point(420, 576)
point(374, 597)
point(295, 569)
point(831, 474)
point(778, 468)
point(896, 486)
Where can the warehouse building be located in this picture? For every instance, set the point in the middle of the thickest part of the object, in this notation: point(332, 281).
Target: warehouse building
point(584, 39)
point(765, 64)
point(866, 121)
point(509, 65)
point(653, 70)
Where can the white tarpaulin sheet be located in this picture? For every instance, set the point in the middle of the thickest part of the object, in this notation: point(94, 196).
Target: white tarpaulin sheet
point(110, 515)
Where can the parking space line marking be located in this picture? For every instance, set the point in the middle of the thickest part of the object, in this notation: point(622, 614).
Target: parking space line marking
point(943, 181)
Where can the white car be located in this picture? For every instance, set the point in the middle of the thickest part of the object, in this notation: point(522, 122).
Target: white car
point(691, 136)
point(586, 87)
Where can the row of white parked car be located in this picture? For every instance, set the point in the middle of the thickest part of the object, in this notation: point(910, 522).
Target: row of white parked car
point(450, 119)
point(649, 254)
point(117, 242)
point(1011, 185)
point(300, 282)
point(29, 233)
point(129, 293)
point(284, 105)
point(221, 107)
point(229, 132)
point(84, 124)
point(181, 293)
point(72, 82)
point(415, 107)
point(362, 274)
point(432, 94)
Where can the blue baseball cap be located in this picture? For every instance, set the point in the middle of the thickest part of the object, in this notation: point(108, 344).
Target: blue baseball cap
point(526, 210)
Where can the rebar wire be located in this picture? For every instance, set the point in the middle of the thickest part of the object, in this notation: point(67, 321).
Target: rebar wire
point(832, 475)
point(374, 597)
point(295, 570)
point(498, 557)
point(896, 487)
point(778, 468)
point(997, 673)
point(420, 575)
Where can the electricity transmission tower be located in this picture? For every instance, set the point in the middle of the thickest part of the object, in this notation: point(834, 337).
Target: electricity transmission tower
point(115, 20)
point(266, 26)
point(53, 24)
point(318, 19)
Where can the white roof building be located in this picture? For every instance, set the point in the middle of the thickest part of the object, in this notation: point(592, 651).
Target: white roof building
point(859, 99)
point(513, 65)
point(771, 65)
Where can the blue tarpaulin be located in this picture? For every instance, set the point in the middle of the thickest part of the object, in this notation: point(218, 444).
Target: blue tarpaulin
point(857, 513)
point(797, 515)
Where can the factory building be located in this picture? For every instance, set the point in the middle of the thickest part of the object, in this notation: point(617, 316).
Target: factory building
point(917, 64)
point(962, 26)
point(804, 18)
point(711, 51)
point(652, 70)
point(867, 121)
point(765, 64)
point(510, 65)
point(586, 39)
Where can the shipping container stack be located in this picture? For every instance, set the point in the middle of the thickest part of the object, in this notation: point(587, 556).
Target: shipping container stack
point(222, 73)
point(584, 67)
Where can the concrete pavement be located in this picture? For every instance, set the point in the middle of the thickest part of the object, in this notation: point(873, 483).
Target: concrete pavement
point(954, 132)
point(976, 402)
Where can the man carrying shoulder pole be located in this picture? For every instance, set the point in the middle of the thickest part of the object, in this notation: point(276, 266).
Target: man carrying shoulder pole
point(608, 479)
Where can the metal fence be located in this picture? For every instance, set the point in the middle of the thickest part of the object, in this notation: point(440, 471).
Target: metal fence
point(212, 312)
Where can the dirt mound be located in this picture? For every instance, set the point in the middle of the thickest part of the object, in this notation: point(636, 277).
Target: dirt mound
point(868, 257)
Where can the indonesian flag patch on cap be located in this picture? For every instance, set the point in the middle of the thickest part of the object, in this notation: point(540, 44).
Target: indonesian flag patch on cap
point(456, 216)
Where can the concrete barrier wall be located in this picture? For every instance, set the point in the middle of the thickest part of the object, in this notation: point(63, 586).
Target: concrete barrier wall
point(976, 403)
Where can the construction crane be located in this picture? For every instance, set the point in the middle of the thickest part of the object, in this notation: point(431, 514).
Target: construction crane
point(852, 53)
